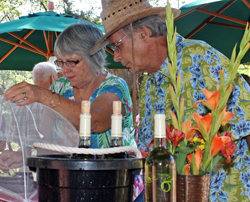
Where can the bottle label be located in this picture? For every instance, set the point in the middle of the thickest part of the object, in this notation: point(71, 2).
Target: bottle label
point(116, 125)
point(85, 125)
point(163, 182)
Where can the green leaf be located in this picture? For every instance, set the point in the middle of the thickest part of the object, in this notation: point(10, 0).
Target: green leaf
point(185, 150)
point(202, 171)
point(224, 99)
point(214, 161)
point(180, 161)
point(193, 166)
point(222, 82)
point(180, 158)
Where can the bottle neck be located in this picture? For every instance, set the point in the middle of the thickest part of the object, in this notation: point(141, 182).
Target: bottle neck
point(116, 142)
point(160, 142)
point(160, 130)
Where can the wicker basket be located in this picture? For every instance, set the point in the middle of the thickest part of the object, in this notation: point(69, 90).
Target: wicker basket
point(193, 188)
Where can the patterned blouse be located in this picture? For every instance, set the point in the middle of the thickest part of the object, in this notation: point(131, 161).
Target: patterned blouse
point(199, 65)
point(113, 84)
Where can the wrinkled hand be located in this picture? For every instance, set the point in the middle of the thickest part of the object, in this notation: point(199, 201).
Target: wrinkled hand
point(10, 159)
point(26, 93)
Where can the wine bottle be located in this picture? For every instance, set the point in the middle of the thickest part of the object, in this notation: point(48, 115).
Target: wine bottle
point(160, 167)
point(85, 125)
point(116, 125)
point(116, 131)
point(84, 131)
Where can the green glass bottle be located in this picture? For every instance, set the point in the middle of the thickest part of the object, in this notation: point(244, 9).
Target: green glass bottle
point(160, 167)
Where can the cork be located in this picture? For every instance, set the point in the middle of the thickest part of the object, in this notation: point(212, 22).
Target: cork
point(117, 107)
point(85, 107)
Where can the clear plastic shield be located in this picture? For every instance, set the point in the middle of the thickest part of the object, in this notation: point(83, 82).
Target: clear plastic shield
point(20, 127)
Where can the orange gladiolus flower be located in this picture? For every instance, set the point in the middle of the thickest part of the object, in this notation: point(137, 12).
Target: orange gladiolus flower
point(216, 145)
point(227, 116)
point(206, 120)
point(189, 157)
point(187, 169)
point(188, 130)
point(185, 126)
point(198, 157)
point(212, 98)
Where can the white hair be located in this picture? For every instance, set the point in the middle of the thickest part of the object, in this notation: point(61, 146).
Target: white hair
point(43, 71)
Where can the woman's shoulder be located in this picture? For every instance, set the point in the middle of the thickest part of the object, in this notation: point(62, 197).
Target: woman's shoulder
point(113, 79)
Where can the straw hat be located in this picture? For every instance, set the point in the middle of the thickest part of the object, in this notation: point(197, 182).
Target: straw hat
point(118, 13)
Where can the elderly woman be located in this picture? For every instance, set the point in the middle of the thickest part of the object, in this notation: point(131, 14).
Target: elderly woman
point(85, 79)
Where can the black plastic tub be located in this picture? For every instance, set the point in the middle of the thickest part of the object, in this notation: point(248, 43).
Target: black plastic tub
point(62, 179)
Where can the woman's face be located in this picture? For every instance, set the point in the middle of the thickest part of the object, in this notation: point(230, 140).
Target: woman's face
point(78, 74)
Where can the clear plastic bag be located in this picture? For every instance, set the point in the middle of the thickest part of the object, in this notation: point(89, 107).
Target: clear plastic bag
point(20, 127)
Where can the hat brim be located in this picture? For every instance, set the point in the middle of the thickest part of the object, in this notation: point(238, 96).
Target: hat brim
point(161, 11)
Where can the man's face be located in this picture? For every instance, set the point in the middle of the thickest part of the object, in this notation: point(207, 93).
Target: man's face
point(122, 46)
point(51, 6)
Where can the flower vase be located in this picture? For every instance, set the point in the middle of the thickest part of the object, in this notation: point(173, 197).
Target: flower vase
point(193, 188)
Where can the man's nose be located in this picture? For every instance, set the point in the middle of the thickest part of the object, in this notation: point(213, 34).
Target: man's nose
point(117, 56)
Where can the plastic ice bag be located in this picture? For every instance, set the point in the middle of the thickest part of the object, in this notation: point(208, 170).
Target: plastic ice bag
point(20, 127)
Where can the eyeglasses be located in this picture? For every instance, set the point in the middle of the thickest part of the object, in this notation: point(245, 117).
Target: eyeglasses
point(115, 46)
point(70, 63)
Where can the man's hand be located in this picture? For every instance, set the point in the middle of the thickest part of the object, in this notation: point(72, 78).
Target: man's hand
point(10, 159)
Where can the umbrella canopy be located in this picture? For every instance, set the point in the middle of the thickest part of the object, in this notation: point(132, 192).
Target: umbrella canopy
point(221, 23)
point(30, 39)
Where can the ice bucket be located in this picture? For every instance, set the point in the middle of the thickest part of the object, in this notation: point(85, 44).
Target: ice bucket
point(61, 178)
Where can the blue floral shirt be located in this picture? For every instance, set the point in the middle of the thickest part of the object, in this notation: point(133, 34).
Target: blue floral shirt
point(199, 65)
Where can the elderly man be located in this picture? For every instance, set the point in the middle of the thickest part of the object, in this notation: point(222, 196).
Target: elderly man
point(145, 49)
point(44, 74)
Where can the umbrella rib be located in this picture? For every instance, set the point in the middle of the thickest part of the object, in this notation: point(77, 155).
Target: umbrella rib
point(20, 45)
point(109, 51)
point(222, 16)
point(46, 42)
point(12, 49)
point(28, 43)
point(189, 12)
point(209, 19)
point(247, 4)
point(227, 25)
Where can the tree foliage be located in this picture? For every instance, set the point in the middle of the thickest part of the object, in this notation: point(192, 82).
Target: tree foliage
point(244, 69)
point(9, 78)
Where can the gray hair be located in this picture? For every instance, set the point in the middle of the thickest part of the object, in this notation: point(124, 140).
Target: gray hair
point(43, 71)
point(154, 22)
point(80, 38)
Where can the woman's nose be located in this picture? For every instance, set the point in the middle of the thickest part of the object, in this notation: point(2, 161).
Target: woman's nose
point(65, 68)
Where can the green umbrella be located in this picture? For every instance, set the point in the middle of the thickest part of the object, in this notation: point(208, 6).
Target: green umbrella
point(30, 39)
point(220, 23)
